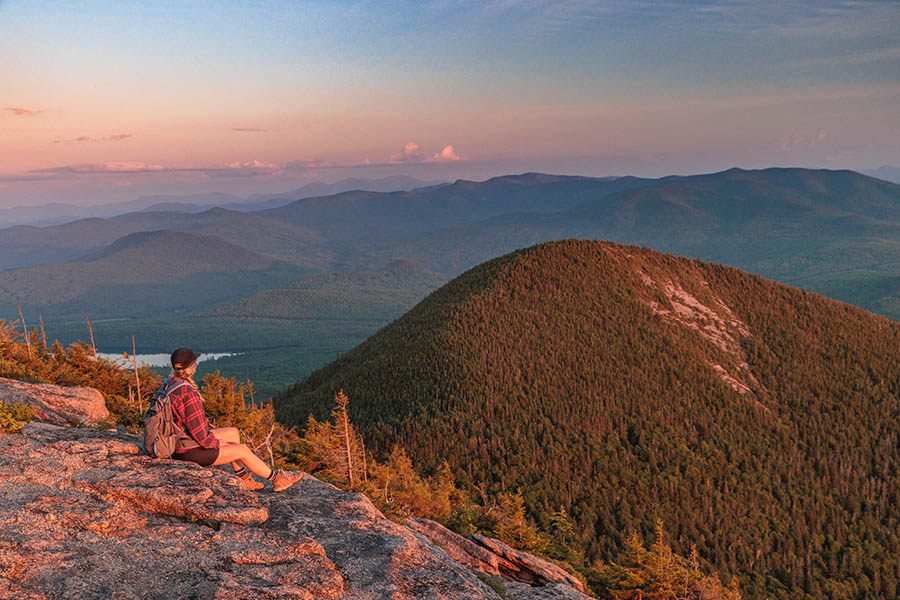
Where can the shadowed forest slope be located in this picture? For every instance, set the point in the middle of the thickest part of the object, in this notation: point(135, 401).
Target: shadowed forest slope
point(622, 385)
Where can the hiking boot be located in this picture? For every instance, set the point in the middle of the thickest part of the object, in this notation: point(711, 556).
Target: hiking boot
point(285, 479)
point(249, 482)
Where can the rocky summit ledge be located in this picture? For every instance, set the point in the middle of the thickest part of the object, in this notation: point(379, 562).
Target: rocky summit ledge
point(83, 515)
point(56, 404)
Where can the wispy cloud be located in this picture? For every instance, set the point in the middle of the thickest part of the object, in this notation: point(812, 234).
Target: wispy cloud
point(249, 129)
point(22, 112)
point(118, 137)
point(411, 156)
point(101, 168)
point(801, 19)
point(249, 168)
point(311, 163)
point(790, 142)
point(858, 58)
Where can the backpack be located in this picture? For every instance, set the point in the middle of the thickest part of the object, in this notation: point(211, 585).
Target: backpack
point(160, 431)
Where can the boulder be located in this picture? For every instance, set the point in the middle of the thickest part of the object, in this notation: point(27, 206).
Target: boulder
point(525, 567)
point(56, 404)
point(462, 550)
point(488, 555)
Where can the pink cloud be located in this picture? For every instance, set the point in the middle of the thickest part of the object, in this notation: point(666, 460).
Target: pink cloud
point(252, 167)
point(309, 163)
point(410, 153)
point(107, 167)
point(448, 154)
point(22, 112)
point(789, 142)
point(118, 137)
point(130, 166)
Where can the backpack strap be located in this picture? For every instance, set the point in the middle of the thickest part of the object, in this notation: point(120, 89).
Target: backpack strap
point(180, 384)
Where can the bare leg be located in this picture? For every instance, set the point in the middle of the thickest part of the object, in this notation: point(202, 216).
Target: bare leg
point(240, 453)
point(229, 435)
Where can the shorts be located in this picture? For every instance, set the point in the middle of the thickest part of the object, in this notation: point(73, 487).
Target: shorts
point(202, 456)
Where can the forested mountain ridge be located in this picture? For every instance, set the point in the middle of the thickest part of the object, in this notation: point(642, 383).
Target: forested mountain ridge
point(144, 273)
point(371, 215)
point(375, 296)
point(621, 385)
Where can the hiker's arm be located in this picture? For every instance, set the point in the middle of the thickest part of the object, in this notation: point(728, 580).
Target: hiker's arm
point(195, 420)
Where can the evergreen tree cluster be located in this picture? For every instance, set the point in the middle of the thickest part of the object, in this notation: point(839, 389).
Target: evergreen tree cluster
point(551, 373)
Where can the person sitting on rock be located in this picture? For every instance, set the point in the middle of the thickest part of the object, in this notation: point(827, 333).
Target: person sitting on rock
point(206, 446)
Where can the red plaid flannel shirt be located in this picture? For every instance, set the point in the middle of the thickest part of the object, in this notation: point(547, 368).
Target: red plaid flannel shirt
point(187, 409)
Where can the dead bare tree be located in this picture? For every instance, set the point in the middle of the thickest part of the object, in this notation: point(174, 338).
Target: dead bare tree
point(137, 377)
point(91, 331)
point(342, 402)
point(269, 446)
point(362, 444)
point(24, 330)
point(43, 335)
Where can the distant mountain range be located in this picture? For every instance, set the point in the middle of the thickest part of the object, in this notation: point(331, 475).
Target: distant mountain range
point(835, 232)
point(621, 385)
point(885, 172)
point(58, 213)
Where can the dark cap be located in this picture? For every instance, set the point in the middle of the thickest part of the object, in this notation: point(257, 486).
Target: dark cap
point(183, 357)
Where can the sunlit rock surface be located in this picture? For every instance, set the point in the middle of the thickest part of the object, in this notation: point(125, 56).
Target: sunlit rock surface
point(84, 515)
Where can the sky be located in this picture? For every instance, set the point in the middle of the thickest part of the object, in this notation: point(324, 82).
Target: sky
point(109, 100)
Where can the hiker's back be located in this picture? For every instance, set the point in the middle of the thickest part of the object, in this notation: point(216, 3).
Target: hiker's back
point(161, 432)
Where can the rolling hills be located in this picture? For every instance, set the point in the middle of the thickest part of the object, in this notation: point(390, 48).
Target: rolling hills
point(24, 246)
point(621, 385)
point(142, 274)
point(380, 295)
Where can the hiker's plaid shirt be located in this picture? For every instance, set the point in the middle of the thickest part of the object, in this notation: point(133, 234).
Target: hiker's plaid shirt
point(187, 408)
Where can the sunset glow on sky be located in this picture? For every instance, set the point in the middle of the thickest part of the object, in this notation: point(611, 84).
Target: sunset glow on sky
point(110, 100)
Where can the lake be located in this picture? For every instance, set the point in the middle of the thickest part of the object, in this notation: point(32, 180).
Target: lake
point(158, 360)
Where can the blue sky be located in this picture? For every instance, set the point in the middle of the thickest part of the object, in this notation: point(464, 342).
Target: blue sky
point(106, 99)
